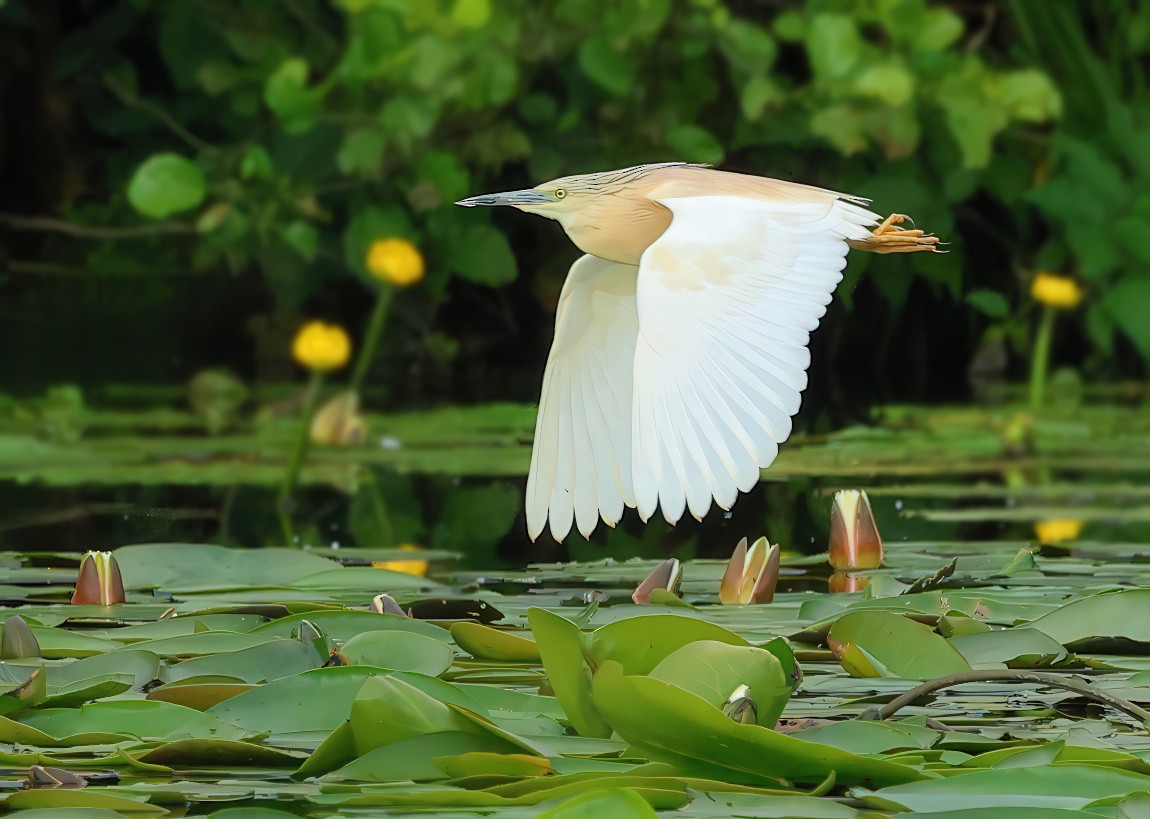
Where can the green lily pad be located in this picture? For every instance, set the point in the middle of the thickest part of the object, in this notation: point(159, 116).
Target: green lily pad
point(894, 645)
point(1056, 787)
point(489, 643)
point(621, 803)
point(667, 724)
point(399, 650)
point(713, 671)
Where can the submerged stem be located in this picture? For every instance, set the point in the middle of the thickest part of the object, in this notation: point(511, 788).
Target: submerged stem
point(1040, 359)
point(291, 474)
point(1013, 675)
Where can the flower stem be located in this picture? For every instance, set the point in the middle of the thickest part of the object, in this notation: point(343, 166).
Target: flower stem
point(371, 338)
point(1040, 360)
point(284, 502)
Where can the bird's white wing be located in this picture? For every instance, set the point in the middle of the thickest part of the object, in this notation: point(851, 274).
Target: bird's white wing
point(580, 462)
point(727, 298)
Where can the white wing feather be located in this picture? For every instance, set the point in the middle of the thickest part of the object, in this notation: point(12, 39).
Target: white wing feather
point(727, 298)
point(580, 462)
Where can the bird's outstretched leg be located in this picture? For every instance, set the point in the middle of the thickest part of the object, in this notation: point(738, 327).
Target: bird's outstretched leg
point(890, 238)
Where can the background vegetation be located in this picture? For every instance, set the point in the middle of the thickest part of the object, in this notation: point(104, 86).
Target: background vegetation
point(187, 181)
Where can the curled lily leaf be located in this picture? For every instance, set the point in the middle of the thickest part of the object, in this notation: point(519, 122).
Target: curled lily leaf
point(307, 632)
point(740, 707)
point(99, 582)
point(855, 542)
point(667, 575)
point(40, 776)
point(752, 575)
point(385, 604)
point(17, 640)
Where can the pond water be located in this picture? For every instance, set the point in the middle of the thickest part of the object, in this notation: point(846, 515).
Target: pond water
point(522, 685)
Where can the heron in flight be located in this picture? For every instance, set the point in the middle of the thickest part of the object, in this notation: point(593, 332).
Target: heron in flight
point(680, 346)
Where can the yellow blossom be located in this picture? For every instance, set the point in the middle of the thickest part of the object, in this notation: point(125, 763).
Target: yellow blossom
point(1061, 292)
point(1057, 531)
point(415, 567)
point(321, 347)
point(395, 261)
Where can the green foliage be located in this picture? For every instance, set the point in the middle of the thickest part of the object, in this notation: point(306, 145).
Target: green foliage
point(166, 184)
point(291, 139)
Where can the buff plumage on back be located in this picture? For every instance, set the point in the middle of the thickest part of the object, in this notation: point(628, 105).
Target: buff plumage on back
point(672, 383)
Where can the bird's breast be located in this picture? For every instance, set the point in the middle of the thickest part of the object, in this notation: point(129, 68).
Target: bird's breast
point(620, 230)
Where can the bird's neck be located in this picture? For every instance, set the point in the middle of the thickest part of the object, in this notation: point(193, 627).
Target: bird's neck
point(619, 228)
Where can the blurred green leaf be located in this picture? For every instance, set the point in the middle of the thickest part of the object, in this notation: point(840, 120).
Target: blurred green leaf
point(833, 45)
point(607, 66)
point(483, 255)
point(695, 144)
point(992, 303)
point(1128, 303)
point(471, 13)
point(361, 151)
point(166, 184)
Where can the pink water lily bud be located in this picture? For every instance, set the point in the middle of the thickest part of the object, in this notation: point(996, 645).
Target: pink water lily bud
point(751, 575)
point(855, 542)
point(667, 575)
point(99, 582)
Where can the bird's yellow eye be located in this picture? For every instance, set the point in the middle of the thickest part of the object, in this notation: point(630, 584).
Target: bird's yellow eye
point(560, 193)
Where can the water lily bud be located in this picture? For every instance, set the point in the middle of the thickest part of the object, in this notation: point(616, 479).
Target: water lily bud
point(338, 422)
point(751, 576)
point(385, 604)
point(99, 582)
point(395, 261)
point(1059, 292)
point(855, 542)
point(667, 575)
point(740, 707)
point(17, 640)
point(321, 347)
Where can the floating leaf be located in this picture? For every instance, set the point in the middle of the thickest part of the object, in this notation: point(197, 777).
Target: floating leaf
point(902, 647)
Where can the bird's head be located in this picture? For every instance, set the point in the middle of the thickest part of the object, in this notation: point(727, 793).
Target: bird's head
point(571, 196)
point(556, 199)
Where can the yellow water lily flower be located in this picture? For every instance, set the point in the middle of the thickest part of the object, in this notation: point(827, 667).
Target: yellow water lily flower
point(1060, 292)
point(321, 347)
point(415, 567)
point(1057, 531)
point(395, 261)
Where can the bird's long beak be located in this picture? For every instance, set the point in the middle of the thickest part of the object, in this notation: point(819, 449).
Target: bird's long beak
point(530, 196)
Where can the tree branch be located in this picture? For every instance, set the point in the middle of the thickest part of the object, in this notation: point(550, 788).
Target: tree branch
point(48, 224)
point(1010, 675)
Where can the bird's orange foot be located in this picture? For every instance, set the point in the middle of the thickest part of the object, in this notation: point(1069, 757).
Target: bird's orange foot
point(888, 237)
